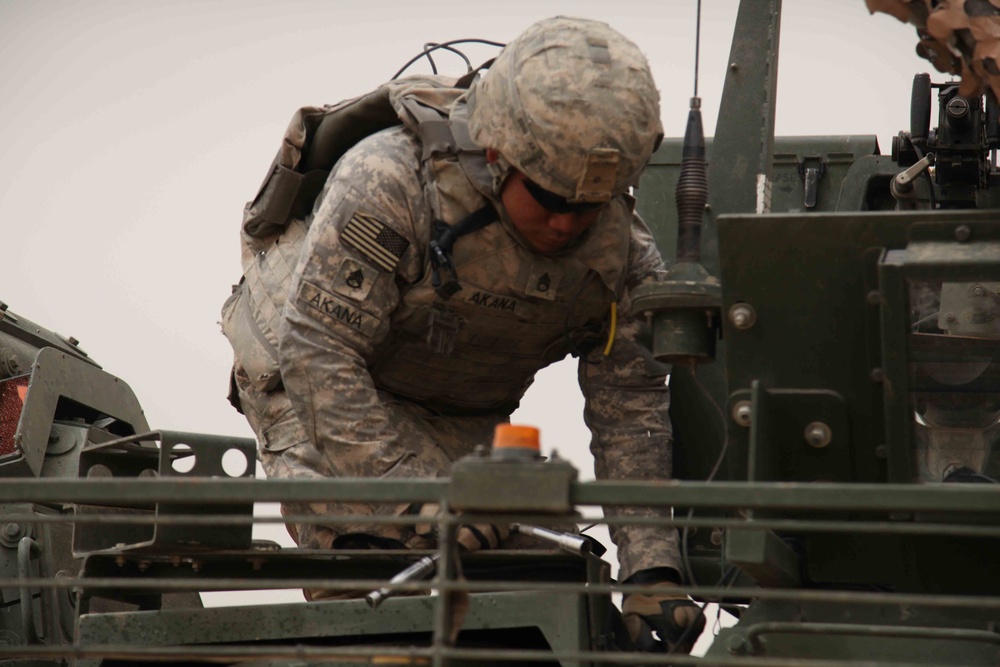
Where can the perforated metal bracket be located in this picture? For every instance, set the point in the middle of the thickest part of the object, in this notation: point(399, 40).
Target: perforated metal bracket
point(194, 455)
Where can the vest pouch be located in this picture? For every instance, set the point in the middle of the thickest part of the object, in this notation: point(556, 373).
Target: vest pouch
point(252, 351)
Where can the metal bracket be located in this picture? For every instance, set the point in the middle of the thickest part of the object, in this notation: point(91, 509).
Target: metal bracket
point(811, 169)
point(134, 457)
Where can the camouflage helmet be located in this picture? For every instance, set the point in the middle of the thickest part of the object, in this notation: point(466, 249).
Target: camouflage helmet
point(571, 103)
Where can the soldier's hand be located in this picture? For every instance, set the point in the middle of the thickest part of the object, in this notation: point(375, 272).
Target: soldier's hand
point(676, 620)
point(474, 537)
point(471, 537)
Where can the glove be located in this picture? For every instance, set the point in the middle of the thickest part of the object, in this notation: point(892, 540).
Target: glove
point(471, 537)
point(674, 617)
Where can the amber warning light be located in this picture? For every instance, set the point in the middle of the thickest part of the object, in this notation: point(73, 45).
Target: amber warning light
point(12, 394)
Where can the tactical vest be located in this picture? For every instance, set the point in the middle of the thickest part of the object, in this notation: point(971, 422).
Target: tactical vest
point(275, 222)
point(517, 311)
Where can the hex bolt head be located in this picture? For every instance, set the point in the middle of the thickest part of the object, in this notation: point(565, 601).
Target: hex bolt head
point(741, 412)
point(737, 644)
point(818, 435)
point(963, 233)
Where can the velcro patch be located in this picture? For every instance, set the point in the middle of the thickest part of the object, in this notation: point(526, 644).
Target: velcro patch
point(354, 279)
point(543, 282)
point(335, 310)
point(485, 299)
point(374, 240)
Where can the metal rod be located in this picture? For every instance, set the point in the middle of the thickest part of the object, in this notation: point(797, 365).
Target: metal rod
point(706, 592)
point(754, 632)
point(790, 525)
point(697, 47)
point(963, 498)
point(324, 653)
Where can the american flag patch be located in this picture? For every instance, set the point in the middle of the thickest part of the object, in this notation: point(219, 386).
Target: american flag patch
point(374, 240)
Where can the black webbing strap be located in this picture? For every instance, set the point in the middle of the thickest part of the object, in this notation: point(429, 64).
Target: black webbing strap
point(443, 240)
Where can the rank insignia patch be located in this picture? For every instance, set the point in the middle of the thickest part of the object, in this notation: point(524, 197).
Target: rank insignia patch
point(354, 279)
point(374, 240)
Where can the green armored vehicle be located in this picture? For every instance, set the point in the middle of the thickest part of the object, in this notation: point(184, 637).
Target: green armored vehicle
point(835, 396)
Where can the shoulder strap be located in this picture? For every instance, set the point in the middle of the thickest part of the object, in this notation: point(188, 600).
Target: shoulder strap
point(443, 241)
point(319, 136)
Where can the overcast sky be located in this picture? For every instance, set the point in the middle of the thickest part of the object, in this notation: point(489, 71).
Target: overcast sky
point(133, 133)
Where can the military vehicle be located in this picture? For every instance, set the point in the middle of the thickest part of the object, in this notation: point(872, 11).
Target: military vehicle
point(833, 325)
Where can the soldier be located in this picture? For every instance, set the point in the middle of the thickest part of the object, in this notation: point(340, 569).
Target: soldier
point(443, 265)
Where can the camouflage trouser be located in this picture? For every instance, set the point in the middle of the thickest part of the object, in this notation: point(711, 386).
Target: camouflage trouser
point(430, 444)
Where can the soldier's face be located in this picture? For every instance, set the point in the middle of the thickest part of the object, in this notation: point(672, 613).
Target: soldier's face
point(546, 223)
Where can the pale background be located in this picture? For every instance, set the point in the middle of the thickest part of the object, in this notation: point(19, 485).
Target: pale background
point(133, 133)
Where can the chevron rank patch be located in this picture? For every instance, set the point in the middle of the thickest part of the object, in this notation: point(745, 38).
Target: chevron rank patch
point(374, 240)
point(354, 279)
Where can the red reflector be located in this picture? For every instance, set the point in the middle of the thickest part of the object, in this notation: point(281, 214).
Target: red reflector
point(12, 394)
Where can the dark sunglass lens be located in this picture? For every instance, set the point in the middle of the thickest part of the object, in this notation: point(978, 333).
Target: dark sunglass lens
point(554, 203)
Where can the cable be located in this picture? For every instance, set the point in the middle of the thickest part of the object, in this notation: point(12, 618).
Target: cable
point(611, 331)
point(430, 45)
point(685, 559)
point(445, 46)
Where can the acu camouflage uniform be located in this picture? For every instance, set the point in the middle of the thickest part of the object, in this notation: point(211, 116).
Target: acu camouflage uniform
point(380, 376)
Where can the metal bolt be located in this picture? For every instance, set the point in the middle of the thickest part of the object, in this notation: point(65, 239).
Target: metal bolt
point(733, 67)
point(742, 315)
point(958, 107)
point(53, 437)
point(951, 317)
point(818, 435)
point(3, 307)
point(12, 531)
point(877, 375)
point(737, 644)
point(741, 413)
point(978, 290)
point(716, 537)
point(874, 297)
point(143, 565)
point(963, 233)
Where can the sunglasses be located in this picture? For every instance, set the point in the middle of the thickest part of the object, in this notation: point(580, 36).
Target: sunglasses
point(554, 203)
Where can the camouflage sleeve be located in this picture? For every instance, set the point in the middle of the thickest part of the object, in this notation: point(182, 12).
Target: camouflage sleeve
point(362, 246)
point(627, 401)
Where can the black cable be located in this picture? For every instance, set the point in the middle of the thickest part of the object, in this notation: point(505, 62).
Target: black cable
point(444, 46)
point(429, 45)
